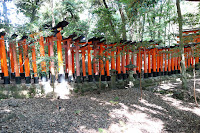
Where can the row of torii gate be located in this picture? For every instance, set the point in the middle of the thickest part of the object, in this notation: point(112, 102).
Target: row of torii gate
point(100, 57)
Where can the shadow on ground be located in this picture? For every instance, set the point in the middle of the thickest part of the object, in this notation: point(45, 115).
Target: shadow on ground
point(112, 111)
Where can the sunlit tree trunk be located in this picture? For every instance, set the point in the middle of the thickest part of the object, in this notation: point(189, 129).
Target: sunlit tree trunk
point(124, 37)
point(110, 21)
point(183, 69)
point(52, 13)
point(5, 15)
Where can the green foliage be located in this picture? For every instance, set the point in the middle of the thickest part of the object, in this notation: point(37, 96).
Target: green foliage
point(77, 112)
point(101, 130)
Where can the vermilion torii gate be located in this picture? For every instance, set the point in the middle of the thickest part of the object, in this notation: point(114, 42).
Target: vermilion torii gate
point(84, 61)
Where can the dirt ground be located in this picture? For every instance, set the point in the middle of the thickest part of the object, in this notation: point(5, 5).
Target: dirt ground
point(114, 111)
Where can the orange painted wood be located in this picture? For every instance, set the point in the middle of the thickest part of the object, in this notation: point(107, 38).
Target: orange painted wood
point(134, 62)
point(112, 60)
point(42, 54)
point(3, 57)
point(179, 62)
point(77, 60)
point(20, 47)
point(127, 59)
point(139, 61)
point(69, 58)
point(132, 58)
point(165, 61)
point(73, 67)
point(196, 60)
point(118, 61)
point(1, 61)
point(66, 58)
point(26, 59)
point(149, 61)
point(145, 61)
point(47, 44)
point(172, 60)
point(89, 61)
point(60, 59)
point(158, 60)
point(83, 63)
point(107, 62)
point(189, 58)
point(123, 62)
point(51, 54)
point(11, 58)
point(169, 61)
point(154, 60)
point(161, 61)
point(95, 66)
point(16, 67)
point(101, 64)
point(34, 61)
point(176, 63)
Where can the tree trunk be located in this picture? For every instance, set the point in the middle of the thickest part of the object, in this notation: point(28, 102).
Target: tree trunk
point(183, 69)
point(123, 23)
point(193, 65)
point(52, 13)
point(5, 15)
point(161, 7)
point(143, 24)
point(110, 21)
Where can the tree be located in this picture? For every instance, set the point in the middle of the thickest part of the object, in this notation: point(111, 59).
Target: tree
point(183, 70)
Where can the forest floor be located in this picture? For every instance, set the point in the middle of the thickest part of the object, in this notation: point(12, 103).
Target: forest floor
point(114, 111)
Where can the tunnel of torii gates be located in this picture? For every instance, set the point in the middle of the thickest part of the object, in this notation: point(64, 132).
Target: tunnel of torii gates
point(152, 61)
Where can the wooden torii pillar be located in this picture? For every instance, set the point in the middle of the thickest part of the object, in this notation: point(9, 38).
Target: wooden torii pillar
point(35, 75)
point(169, 61)
point(21, 66)
point(61, 75)
point(43, 63)
point(11, 60)
point(118, 63)
point(125, 58)
point(90, 77)
point(161, 61)
point(172, 60)
point(2, 66)
point(123, 64)
point(94, 41)
point(154, 60)
point(149, 62)
point(101, 63)
point(68, 54)
point(15, 62)
point(107, 53)
point(145, 64)
point(57, 29)
point(78, 74)
point(83, 63)
point(133, 58)
point(26, 60)
point(3, 58)
point(50, 42)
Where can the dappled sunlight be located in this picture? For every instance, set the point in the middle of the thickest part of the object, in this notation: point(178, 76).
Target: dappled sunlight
point(151, 105)
point(179, 105)
point(101, 102)
point(136, 120)
point(5, 110)
point(63, 90)
point(167, 86)
point(132, 118)
point(60, 89)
